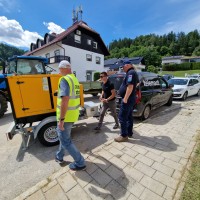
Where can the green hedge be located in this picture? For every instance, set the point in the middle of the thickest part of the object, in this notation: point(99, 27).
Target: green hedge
point(177, 67)
point(195, 65)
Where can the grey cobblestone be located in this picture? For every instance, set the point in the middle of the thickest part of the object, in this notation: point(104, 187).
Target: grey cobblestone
point(144, 159)
point(147, 167)
point(162, 168)
point(153, 185)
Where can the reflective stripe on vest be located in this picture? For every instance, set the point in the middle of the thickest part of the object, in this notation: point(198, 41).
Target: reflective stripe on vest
point(72, 113)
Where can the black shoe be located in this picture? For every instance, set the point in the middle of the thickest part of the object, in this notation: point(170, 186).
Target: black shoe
point(97, 128)
point(59, 161)
point(74, 167)
point(130, 136)
point(116, 126)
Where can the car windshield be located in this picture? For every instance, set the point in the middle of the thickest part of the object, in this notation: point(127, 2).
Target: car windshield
point(194, 76)
point(178, 81)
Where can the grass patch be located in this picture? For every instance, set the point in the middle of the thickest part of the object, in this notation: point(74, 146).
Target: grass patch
point(191, 190)
point(181, 73)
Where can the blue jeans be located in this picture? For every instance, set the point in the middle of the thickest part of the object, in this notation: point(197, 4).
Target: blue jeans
point(126, 118)
point(67, 144)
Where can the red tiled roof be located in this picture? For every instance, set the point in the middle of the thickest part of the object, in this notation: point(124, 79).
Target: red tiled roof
point(62, 35)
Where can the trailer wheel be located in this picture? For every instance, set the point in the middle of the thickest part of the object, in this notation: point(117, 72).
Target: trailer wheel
point(47, 135)
point(3, 105)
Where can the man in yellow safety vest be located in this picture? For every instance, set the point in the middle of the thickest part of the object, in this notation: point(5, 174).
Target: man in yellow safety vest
point(67, 113)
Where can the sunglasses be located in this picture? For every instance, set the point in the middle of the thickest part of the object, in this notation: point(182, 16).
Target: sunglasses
point(101, 76)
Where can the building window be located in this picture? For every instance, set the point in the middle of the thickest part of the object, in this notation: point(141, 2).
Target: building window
point(78, 32)
point(89, 42)
point(95, 45)
point(98, 60)
point(77, 38)
point(88, 57)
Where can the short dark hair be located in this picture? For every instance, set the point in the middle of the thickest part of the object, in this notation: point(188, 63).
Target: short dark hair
point(104, 73)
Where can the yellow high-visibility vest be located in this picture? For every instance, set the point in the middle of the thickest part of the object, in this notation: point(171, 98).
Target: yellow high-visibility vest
point(72, 113)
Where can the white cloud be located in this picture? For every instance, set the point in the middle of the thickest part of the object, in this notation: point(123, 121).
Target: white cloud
point(11, 32)
point(53, 28)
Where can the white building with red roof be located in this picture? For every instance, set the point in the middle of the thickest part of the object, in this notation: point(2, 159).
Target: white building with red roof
point(79, 44)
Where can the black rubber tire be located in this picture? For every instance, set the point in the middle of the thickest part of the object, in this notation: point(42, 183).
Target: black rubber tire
point(146, 112)
point(3, 105)
point(185, 96)
point(169, 103)
point(47, 135)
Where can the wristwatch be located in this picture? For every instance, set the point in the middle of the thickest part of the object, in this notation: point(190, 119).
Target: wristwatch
point(62, 119)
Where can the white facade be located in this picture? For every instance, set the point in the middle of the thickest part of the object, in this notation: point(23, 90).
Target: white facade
point(83, 69)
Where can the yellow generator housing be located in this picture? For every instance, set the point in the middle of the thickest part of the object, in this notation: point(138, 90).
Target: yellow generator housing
point(33, 97)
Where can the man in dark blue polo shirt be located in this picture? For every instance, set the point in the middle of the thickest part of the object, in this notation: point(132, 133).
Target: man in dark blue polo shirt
point(128, 93)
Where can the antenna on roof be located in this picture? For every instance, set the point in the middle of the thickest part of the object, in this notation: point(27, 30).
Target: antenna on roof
point(81, 11)
point(77, 14)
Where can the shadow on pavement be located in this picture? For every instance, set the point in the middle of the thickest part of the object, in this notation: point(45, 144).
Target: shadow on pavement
point(161, 143)
point(106, 179)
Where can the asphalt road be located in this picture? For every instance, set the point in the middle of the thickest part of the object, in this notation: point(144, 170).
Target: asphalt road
point(20, 170)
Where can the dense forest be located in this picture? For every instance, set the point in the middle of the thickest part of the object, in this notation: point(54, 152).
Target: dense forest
point(153, 47)
point(7, 51)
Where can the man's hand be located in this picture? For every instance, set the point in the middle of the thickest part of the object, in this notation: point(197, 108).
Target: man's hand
point(125, 100)
point(61, 125)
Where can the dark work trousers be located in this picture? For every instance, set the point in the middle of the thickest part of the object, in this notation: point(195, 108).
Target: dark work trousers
point(112, 106)
point(126, 119)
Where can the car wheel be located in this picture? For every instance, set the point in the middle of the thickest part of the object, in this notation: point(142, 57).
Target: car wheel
point(146, 112)
point(169, 103)
point(47, 135)
point(198, 93)
point(185, 96)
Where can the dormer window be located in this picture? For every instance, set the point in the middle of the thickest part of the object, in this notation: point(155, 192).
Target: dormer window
point(95, 45)
point(77, 38)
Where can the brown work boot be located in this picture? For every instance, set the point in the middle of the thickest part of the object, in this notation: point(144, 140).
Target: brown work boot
point(121, 139)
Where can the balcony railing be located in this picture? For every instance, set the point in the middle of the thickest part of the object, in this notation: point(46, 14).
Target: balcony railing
point(57, 59)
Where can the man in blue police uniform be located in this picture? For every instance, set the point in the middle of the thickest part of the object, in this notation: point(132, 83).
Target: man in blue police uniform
point(128, 93)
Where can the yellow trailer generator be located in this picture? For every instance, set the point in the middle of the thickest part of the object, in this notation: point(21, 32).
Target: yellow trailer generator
point(33, 94)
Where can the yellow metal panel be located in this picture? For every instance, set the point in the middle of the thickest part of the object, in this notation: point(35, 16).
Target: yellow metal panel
point(34, 94)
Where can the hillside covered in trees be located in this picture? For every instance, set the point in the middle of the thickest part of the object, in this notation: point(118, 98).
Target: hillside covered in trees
point(7, 51)
point(153, 47)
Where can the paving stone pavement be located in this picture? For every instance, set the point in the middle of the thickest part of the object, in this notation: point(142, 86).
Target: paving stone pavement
point(150, 166)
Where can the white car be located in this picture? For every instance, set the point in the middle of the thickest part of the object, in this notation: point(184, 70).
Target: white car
point(185, 87)
point(197, 76)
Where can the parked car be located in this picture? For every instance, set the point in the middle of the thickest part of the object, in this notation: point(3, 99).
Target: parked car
point(197, 76)
point(153, 92)
point(167, 76)
point(185, 87)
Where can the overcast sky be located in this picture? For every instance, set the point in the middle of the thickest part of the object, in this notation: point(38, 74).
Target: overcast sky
point(23, 22)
